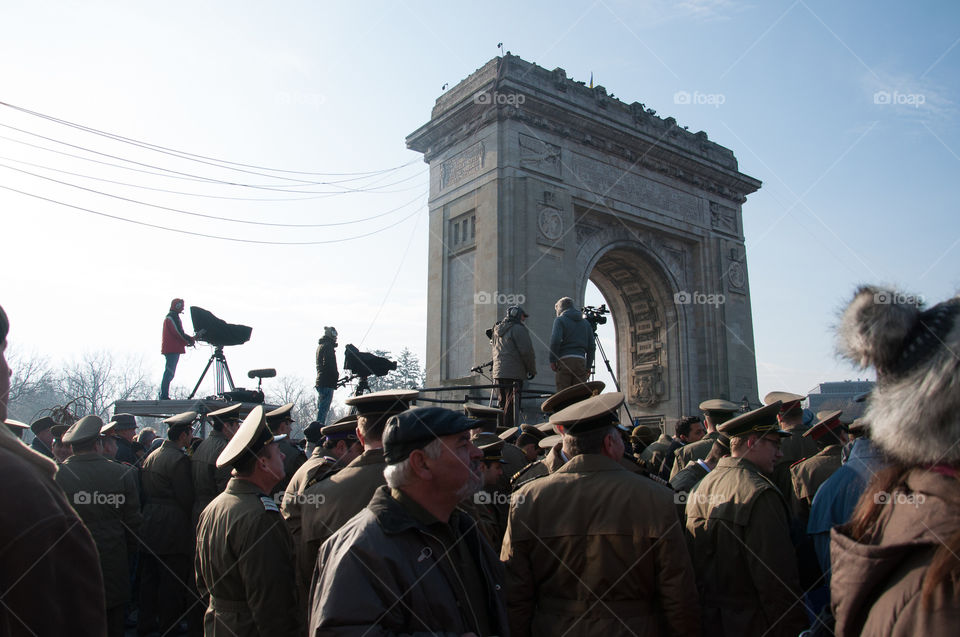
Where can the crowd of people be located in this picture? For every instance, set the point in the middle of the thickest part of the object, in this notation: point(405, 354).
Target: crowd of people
point(419, 520)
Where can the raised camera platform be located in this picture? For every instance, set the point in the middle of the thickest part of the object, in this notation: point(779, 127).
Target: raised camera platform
point(167, 408)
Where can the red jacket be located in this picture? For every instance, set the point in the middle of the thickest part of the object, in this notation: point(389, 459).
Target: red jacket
point(174, 338)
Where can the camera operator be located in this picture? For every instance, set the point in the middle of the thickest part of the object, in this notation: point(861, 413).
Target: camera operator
point(327, 374)
point(513, 360)
point(572, 345)
point(172, 345)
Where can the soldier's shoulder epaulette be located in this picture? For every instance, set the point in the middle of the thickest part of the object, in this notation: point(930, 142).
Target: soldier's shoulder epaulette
point(269, 504)
point(320, 477)
point(519, 474)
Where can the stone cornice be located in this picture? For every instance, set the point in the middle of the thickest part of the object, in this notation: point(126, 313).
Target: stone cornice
point(509, 88)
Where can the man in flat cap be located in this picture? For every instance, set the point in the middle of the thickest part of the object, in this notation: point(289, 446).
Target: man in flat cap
point(337, 446)
point(594, 549)
point(168, 533)
point(125, 431)
point(105, 495)
point(329, 503)
point(209, 481)
point(244, 559)
point(47, 553)
point(794, 448)
point(281, 422)
point(513, 361)
point(555, 458)
point(716, 411)
point(411, 562)
point(42, 436)
point(739, 536)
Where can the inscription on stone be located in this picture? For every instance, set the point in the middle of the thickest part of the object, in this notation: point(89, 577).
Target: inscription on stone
point(462, 166)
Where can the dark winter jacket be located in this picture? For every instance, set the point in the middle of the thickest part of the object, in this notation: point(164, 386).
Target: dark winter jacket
point(387, 554)
point(572, 336)
point(327, 374)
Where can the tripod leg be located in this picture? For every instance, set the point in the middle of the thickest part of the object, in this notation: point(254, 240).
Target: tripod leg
point(205, 369)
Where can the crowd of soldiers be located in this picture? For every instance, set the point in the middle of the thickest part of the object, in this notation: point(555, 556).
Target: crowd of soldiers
point(411, 519)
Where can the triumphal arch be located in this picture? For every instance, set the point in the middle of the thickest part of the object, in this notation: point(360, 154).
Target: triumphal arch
point(539, 183)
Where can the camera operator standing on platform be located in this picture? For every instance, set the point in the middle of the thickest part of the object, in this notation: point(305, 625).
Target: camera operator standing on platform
point(572, 346)
point(172, 345)
point(327, 374)
point(513, 360)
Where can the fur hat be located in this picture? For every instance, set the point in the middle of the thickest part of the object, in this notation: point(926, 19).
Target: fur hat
point(914, 411)
point(330, 333)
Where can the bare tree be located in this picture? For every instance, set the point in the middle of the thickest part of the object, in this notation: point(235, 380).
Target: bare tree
point(291, 389)
point(31, 374)
point(97, 379)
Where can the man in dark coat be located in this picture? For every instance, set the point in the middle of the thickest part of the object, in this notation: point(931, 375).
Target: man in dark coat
point(124, 431)
point(327, 374)
point(168, 533)
point(572, 346)
point(412, 544)
point(42, 436)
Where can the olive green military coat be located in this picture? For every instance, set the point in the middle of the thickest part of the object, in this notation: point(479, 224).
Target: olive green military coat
point(691, 452)
point(543, 467)
point(593, 529)
point(245, 564)
point(739, 538)
point(795, 448)
point(104, 494)
point(807, 476)
point(167, 488)
point(315, 468)
point(208, 481)
point(293, 457)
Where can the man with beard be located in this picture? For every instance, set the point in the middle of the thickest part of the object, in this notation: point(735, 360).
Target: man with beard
point(411, 562)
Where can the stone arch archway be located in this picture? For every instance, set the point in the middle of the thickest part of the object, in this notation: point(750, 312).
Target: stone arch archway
point(650, 327)
point(560, 183)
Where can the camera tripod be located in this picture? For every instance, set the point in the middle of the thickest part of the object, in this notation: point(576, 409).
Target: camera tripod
point(606, 361)
point(221, 372)
point(363, 387)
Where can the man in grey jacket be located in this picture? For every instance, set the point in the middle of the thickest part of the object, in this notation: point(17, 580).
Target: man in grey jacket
point(513, 361)
point(572, 345)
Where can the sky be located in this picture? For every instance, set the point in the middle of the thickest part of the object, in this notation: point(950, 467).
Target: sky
point(847, 112)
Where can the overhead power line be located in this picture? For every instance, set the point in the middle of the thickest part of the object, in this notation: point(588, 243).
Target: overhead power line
point(211, 236)
point(222, 163)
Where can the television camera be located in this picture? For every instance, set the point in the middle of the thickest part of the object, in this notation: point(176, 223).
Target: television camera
point(218, 333)
point(596, 315)
point(363, 365)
